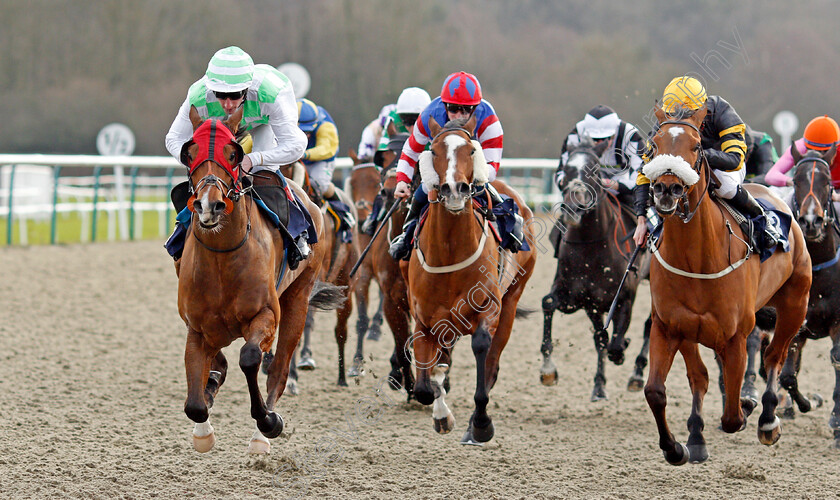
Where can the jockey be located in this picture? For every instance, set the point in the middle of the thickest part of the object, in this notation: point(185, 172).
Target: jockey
point(412, 101)
point(821, 134)
point(722, 140)
point(460, 98)
point(319, 158)
point(232, 80)
point(601, 123)
point(372, 134)
point(761, 154)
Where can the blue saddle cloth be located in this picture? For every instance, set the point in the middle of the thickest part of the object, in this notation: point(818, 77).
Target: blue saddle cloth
point(505, 220)
point(342, 213)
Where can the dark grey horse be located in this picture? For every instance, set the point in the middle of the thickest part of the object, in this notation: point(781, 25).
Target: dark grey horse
point(592, 255)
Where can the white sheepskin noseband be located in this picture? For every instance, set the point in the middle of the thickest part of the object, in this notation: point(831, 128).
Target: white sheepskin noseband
point(669, 164)
point(480, 167)
point(428, 175)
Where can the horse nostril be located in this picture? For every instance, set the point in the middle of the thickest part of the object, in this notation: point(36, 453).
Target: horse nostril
point(818, 221)
point(218, 206)
point(197, 206)
point(446, 190)
point(658, 189)
point(677, 190)
point(463, 188)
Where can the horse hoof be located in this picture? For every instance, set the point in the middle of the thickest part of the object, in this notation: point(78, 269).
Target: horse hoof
point(598, 394)
point(617, 357)
point(635, 384)
point(697, 453)
point(291, 387)
point(356, 371)
point(268, 357)
point(834, 422)
point(271, 426)
point(816, 400)
point(204, 438)
point(374, 333)
point(341, 382)
point(748, 405)
point(769, 434)
point(681, 457)
point(549, 378)
point(469, 439)
point(444, 425)
point(259, 445)
point(306, 363)
point(483, 435)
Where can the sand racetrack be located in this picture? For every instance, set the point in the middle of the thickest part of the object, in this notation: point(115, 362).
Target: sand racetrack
point(92, 390)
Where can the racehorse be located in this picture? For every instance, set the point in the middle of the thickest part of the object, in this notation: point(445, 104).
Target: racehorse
point(706, 286)
point(340, 257)
point(233, 282)
point(816, 215)
point(387, 272)
point(592, 254)
point(459, 282)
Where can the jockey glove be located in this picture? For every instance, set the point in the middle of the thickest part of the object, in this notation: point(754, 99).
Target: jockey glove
point(641, 199)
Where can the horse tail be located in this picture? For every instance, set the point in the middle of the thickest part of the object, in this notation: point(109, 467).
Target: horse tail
point(523, 312)
point(326, 296)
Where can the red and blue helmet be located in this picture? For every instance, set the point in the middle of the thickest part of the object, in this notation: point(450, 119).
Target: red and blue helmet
point(461, 88)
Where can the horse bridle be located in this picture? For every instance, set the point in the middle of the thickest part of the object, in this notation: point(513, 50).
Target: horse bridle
point(683, 205)
point(563, 192)
point(829, 213)
point(473, 188)
point(231, 194)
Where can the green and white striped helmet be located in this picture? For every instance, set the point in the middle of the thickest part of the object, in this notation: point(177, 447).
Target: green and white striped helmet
point(231, 69)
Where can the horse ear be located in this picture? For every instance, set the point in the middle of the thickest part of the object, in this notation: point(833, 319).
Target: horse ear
point(354, 156)
point(195, 118)
point(232, 123)
point(470, 125)
point(434, 127)
point(794, 152)
point(659, 112)
point(601, 147)
point(829, 155)
point(699, 115)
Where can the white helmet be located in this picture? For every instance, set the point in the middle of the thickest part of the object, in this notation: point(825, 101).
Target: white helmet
point(413, 100)
point(230, 70)
point(599, 123)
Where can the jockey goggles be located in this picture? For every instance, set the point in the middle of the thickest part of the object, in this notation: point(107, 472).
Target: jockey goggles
point(459, 108)
point(230, 95)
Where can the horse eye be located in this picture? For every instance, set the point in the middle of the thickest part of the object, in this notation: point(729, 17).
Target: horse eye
point(472, 153)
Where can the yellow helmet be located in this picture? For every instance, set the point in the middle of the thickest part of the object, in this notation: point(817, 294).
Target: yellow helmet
point(683, 92)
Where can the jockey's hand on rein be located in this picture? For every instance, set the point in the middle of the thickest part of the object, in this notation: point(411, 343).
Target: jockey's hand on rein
point(403, 190)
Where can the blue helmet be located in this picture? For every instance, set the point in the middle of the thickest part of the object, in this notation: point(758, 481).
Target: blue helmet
point(307, 115)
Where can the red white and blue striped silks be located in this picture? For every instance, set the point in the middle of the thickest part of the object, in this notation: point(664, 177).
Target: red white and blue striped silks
point(488, 132)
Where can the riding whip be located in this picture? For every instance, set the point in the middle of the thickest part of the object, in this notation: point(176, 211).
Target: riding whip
point(620, 284)
point(378, 230)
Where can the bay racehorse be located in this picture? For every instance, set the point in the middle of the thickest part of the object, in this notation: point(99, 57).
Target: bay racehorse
point(233, 283)
point(815, 212)
point(706, 287)
point(593, 249)
point(459, 282)
point(340, 257)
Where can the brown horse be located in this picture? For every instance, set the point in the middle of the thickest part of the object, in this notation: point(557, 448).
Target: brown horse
point(386, 270)
point(706, 288)
point(339, 260)
point(459, 281)
point(227, 287)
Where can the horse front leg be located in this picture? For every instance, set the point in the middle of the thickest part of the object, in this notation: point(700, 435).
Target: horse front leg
point(398, 320)
point(197, 360)
point(216, 377)
point(548, 371)
point(698, 380)
point(269, 424)
point(749, 392)
point(307, 362)
point(362, 322)
point(790, 375)
point(375, 331)
point(733, 362)
point(621, 322)
point(637, 380)
point(428, 388)
point(480, 429)
point(342, 315)
point(834, 419)
point(662, 351)
point(599, 391)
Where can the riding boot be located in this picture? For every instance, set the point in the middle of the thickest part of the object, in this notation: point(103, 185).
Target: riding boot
point(746, 204)
point(401, 246)
point(369, 225)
